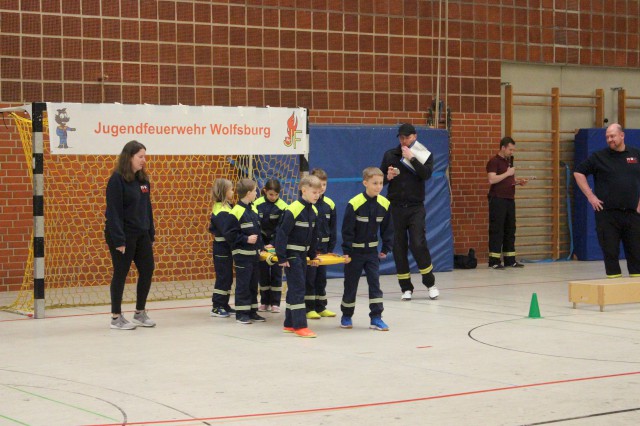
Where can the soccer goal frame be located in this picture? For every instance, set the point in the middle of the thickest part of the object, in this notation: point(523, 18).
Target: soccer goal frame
point(256, 166)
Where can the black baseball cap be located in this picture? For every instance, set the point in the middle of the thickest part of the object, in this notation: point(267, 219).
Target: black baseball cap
point(406, 129)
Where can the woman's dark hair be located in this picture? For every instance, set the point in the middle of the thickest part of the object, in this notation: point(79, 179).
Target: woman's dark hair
point(271, 185)
point(124, 163)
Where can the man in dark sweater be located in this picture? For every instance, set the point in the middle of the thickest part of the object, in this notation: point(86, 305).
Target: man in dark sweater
point(406, 175)
point(502, 206)
point(615, 200)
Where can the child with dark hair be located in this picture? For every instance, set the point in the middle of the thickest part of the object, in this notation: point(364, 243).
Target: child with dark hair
point(242, 232)
point(270, 207)
point(222, 196)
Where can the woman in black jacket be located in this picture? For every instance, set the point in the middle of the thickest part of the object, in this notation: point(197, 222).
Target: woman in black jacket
point(129, 232)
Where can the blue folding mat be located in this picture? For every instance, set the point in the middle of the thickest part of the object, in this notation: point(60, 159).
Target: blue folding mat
point(344, 151)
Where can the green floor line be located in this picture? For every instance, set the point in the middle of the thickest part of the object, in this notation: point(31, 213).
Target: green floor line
point(62, 403)
point(14, 420)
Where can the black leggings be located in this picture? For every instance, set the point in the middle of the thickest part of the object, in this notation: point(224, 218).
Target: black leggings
point(138, 248)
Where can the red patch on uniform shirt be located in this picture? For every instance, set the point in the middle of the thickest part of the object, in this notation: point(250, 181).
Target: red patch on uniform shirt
point(632, 160)
point(144, 189)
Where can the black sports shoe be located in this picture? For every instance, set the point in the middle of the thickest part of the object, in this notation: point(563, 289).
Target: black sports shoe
point(496, 266)
point(243, 319)
point(516, 265)
point(255, 317)
point(229, 309)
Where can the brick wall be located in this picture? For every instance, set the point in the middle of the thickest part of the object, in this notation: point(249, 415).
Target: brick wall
point(348, 61)
point(16, 213)
point(474, 139)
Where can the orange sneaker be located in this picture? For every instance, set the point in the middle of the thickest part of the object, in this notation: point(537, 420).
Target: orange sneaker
point(304, 332)
point(288, 329)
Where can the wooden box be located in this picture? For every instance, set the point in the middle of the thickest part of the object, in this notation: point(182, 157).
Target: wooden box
point(605, 291)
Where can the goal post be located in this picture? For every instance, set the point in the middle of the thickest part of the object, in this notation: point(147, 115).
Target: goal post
point(233, 143)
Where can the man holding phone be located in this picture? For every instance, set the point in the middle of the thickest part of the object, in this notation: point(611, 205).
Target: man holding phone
point(502, 206)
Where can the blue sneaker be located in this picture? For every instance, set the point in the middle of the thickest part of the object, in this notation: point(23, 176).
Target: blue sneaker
point(345, 322)
point(220, 313)
point(378, 324)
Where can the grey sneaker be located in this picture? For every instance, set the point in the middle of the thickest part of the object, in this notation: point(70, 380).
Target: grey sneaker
point(141, 318)
point(121, 323)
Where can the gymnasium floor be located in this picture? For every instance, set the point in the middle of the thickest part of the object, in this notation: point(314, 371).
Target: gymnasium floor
point(473, 357)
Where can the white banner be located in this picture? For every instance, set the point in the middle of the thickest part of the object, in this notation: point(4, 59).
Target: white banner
point(176, 130)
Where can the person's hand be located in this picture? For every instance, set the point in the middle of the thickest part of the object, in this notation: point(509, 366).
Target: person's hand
point(522, 182)
point(284, 264)
point(268, 246)
point(251, 239)
point(382, 255)
point(347, 259)
point(314, 262)
point(121, 249)
point(595, 202)
point(406, 153)
point(511, 171)
point(392, 172)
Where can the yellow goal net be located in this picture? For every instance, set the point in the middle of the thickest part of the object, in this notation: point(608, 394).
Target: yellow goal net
point(77, 262)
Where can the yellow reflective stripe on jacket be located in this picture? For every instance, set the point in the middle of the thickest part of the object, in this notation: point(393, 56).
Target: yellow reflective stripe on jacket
point(237, 211)
point(245, 252)
point(363, 245)
point(330, 202)
point(220, 207)
point(295, 247)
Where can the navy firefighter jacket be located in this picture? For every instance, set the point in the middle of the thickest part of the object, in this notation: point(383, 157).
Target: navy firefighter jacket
point(243, 221)
point(269, 214)
point(128, 209)
point(327, 232)
point(363, 217)
point(217, 222)
point(297, 232)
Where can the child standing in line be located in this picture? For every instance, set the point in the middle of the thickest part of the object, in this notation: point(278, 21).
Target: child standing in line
point(297, 238)
point(270, 207)
point(222, 195)
point(315, 297)
point(366, 213)
point(242, 232)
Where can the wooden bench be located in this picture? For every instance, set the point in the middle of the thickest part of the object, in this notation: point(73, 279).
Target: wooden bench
point(605, 291)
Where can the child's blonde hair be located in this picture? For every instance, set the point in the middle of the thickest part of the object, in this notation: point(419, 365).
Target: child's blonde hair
point(320, 174)
point(244, 186)
point(310, 182)
point(370, 172)
point(219, 190)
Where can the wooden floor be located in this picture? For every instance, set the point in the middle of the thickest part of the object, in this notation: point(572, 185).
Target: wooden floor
point(472, 357)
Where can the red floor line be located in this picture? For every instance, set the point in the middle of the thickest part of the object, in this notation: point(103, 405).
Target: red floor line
point(373, 404)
